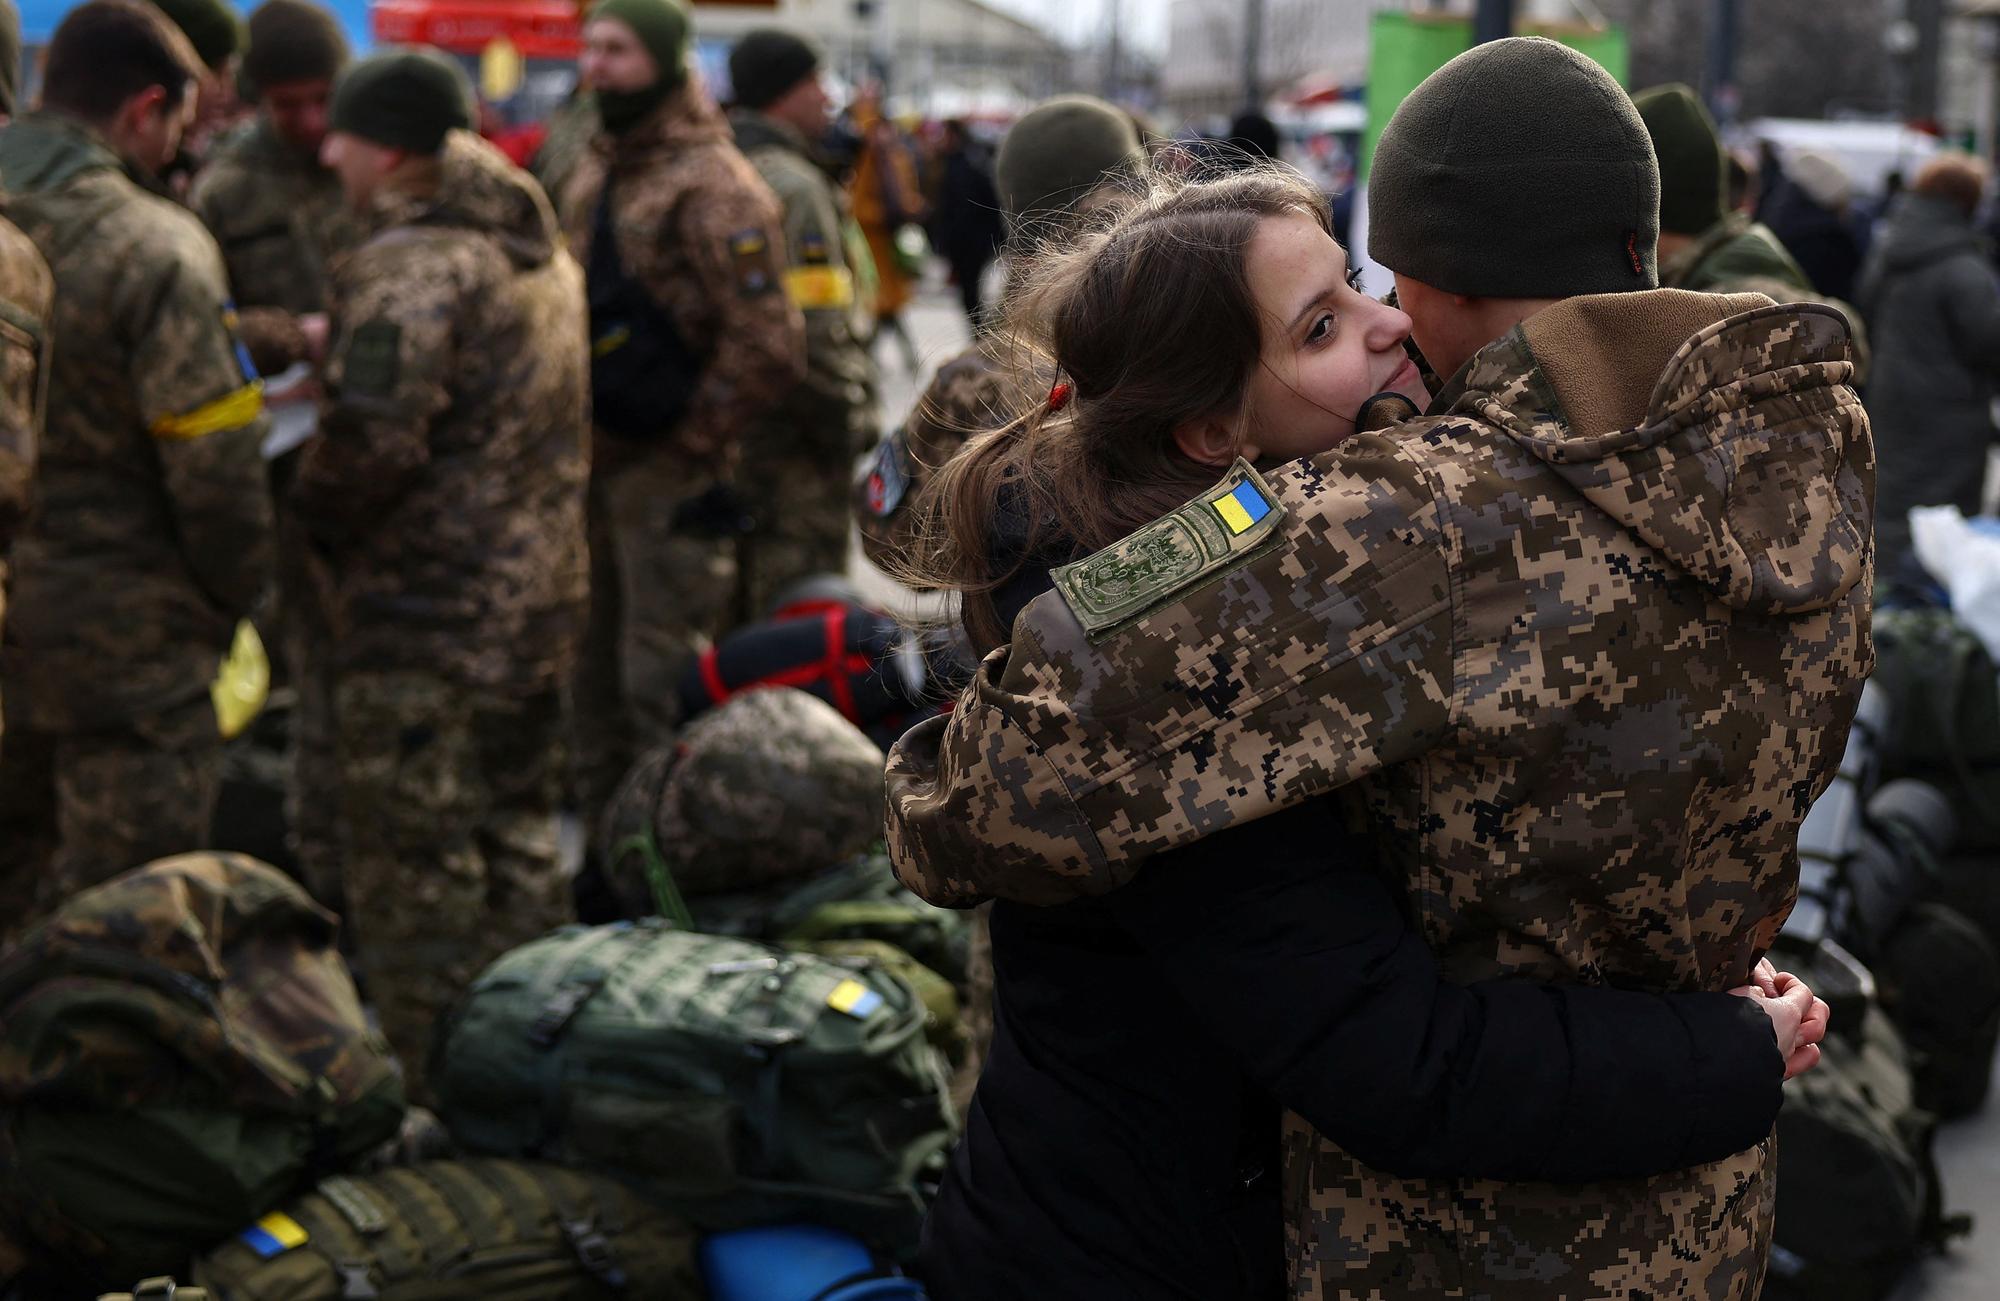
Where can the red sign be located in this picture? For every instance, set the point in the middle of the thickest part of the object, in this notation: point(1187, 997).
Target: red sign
point(539, 29)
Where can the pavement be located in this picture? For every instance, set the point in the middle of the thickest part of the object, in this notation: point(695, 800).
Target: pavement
point(1968, 1151)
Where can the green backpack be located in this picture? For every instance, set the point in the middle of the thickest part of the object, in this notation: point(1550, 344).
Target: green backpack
point(1944, 692)
point(181, 1049)
point(460, 1231)
point(1859, 1197)
point(860, 909)
point(1940, 983)
point(736, 1083)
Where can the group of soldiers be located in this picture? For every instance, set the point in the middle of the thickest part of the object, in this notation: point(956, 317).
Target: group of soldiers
point(333, 372)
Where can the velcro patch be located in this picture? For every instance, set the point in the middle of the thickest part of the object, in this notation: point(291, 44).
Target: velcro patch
point(274, 1235)
point(374, 359)
point(756, 270)
point(1196, 542)
point(888, 479)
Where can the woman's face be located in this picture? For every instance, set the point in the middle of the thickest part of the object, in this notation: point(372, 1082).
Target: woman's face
point(1328, 347)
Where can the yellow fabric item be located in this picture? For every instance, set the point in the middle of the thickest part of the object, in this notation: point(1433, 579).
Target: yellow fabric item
point(231, 411)
point(244, 684)
point(814, 288)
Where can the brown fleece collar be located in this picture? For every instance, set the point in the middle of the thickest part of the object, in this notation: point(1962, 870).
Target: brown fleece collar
point(1603, 353)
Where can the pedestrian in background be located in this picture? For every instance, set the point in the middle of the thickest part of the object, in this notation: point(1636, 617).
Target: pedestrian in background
point(1812, 217)
point(694, 341)
point(965, 219)
point(1933, 305)
point(151, 534)
point(802, 452)
point(887, 197)
point(445, 490)
point(215, 31)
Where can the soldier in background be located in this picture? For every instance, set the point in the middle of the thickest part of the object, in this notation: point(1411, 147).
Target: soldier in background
point(281, 220)
point(151, 533)
point(26, 299)
point(445, 489)
point(694, 340)
point(216, 33)
point(802, 453)
point(1050, 165)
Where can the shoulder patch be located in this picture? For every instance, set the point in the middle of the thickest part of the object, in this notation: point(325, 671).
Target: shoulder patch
point(756, 270)
point(374, 359)
point(1198, 541)
point(888, 478)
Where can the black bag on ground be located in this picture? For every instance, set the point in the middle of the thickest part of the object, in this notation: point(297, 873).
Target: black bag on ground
point(1908, 825)
point(1858, 1192)
point(1944, 691)
point(1939, 979)
point(460, 1231)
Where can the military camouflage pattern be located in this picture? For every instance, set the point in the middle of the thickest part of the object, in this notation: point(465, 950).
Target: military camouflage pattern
point(970, 394)
point(151, 535)
point(446, 487)
point(683, 200)
point(771, 785)
point(449, 795)
point(198, 997)
point(800, 458)
point(664, 577)
point(78, 808)
point(1612, 599)
point(1741, 256)
point(281, 221)
point(27, 292)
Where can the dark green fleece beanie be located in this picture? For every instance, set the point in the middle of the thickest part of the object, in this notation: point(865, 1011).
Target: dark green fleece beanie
point(1061, 150)
point(766, 63)
point(1519, 169)
point(405, 99)
point(10, 55)
point(1694, 171)
point(293, 40)
point(211, 26)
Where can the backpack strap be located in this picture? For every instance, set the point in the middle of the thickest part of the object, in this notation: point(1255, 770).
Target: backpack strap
point(579, 1228)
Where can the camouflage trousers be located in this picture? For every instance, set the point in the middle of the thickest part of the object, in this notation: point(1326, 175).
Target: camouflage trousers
point(1350, 1232)
point(801, 506)
point(448, 796)
point(78, 808)
point(312, 814)
point(660, 592)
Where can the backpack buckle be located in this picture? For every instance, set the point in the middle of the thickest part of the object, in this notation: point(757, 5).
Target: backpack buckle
point(594, 1251)
point(556, 1014)
point(356, 1281)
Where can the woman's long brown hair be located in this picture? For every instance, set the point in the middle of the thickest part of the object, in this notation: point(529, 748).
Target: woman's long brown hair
point(1149, 318)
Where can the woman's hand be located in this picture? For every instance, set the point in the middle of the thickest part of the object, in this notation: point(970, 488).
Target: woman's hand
point(1797, 1017)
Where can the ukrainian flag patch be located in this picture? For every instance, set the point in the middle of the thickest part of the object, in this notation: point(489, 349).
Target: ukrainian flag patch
point(854, 998)
point(274, 1235)
point(1241, 508)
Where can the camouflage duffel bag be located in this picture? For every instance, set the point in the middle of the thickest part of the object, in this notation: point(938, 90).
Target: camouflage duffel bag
point(460, 1231)
point(736, 1083)
point(181, 1049)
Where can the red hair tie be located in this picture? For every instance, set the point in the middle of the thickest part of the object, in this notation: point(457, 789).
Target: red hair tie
point(1059, 397)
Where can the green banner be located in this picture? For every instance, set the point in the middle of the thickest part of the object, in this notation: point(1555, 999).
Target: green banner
point(1404, 48)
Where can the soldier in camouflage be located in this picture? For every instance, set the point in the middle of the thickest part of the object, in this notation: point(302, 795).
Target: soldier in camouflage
point(803, 452)
point(445, 491)
point(698, 234)
point(1607, 603)
point(26, 299)
point(1050, 165)
point(150, 536)
point(281, 220)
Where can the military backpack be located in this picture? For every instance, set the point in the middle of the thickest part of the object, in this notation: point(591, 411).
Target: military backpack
point(181, 1049)
point(736, 1083)
point(1944, 691)
point(460, 1231)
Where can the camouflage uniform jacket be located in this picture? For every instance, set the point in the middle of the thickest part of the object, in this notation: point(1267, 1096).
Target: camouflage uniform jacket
point(700, 231)
point(281, 220)
point(151, 531)
point(447, 483)
point(27, 292)
point(840, 375)
point(1594, 635)
point(974, 392)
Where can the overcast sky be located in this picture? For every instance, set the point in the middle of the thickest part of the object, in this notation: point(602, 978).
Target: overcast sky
point(1078, 20)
